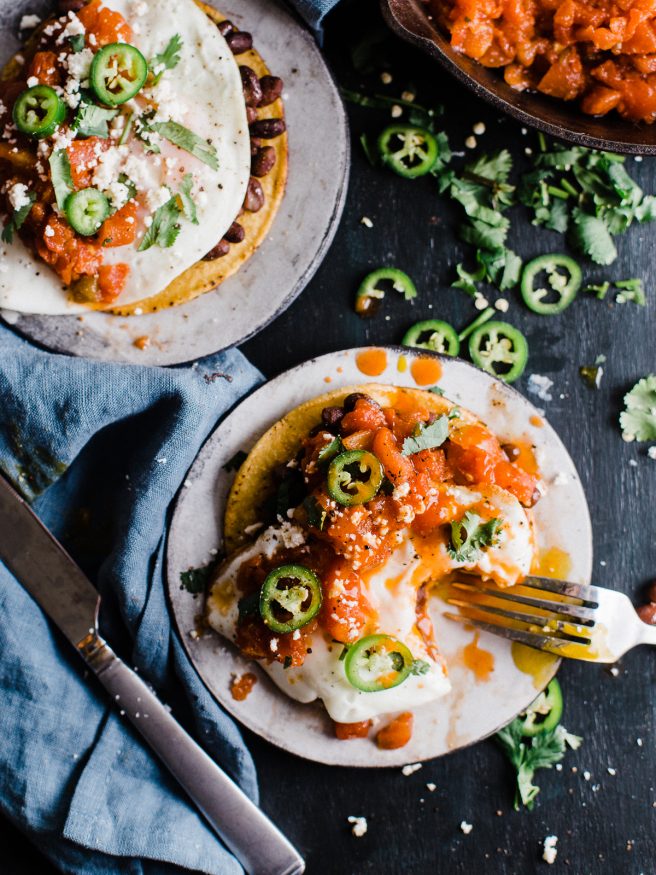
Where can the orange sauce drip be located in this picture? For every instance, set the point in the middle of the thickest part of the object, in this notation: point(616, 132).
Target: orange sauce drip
point(552, 562)
point(327, 379)
point(340, 370)
point(142, 342)
point(537, 421)
point(240, 687)
point(402, 364)
point(526, 459)
point(371, 362)
point(425, 371)
point(480, 661)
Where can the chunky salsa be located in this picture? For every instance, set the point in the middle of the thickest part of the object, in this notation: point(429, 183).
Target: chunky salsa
point(602, 53)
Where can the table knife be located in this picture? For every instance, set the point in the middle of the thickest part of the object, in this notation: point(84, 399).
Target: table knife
point(67, 596)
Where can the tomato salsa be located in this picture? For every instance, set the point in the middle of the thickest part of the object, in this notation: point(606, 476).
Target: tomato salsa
point(601, 54)
point(366, 478)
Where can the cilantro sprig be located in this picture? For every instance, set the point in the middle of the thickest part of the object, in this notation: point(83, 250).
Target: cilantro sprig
point(638, 419)
point(91, 120)
point(527, 755)
point(427, 437)
point(471, 535)
point(166, 60)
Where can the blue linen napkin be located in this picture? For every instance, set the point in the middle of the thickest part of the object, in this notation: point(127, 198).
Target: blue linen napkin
point(100, 450)
point(314, 11)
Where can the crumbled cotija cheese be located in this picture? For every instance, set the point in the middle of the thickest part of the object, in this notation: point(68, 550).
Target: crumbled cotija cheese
point(359, 827)
point(466, 827)
point(411, 769)
point(28, 22)
point(540, 385)
point(549, 853)
point(18, 196)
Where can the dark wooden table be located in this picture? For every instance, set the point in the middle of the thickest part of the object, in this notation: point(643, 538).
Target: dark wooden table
point(412, 831)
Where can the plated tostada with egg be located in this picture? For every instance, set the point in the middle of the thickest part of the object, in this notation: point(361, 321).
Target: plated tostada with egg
point(347, 516)
point(143, 157)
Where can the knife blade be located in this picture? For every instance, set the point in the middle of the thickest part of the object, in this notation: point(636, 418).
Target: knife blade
point(69, 598)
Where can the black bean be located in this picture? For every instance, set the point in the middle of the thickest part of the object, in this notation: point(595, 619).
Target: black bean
point(239, 41)
point(331, 417)
point(271, 88)
point(251, 85)
point(350, 400)
point(222, 248)
point(263, 160)
point(235, 233)
point(268, 128)
point(254, 199)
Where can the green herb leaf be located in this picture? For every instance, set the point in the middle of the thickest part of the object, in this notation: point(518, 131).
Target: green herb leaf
point(638, 419)
point(419, 667)
point(185, 139)
point(436, 390)
point(188, 205)
point(316, 515)
point(527, 755)
point(195, 580)
point(166, 60)
point(16, 219)
point(427, 437)
point(236, 461)
point(76, 42)
point(60, 172)
point(590, 234)
point(91, 120)
point(470, 536)
point(164, 228)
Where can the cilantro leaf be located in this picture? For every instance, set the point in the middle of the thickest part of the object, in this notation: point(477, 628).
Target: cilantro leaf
point(195, 579)
point(91, 120)
point(638, 419)
point(470, 536)
point(590, 234)
point(316, 515)
point(165, 226)
point(527, 755)
point(188, 205)
point(16, 219)
point(185, 139)
point(419, 667)
point(76, 42)
point(166, 60)
point(60, 172)
point(427, 436)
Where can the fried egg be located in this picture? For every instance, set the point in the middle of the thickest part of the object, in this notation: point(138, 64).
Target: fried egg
point(391, 589)
point(204, 93)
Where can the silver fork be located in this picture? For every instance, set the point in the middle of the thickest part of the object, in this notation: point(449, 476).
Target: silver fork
point(567, 619)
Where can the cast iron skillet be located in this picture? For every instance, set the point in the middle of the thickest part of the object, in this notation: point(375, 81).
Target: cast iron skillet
point(409, 20)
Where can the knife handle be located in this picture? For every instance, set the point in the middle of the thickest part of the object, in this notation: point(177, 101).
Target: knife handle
point(259, 845)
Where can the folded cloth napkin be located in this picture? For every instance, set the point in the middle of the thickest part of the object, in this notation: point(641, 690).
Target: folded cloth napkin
point(100, 450)
point(314, 11)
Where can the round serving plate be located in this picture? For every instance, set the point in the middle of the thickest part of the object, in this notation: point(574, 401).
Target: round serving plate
point(302, 230)
point(476, 706)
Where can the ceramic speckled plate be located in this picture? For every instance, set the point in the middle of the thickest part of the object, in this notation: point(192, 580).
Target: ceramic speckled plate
point(301, 233)
point(475, 707)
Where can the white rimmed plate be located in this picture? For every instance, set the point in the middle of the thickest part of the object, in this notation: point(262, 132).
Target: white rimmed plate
point(294, 247)
point(477, 705)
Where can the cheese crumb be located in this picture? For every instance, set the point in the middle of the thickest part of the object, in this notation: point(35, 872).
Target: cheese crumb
point(32, 81)
point(549, 852)
point(651, 452)
point(28, 22)
point(18, 196)
point(432, 787)
point(366, 221)
point(410, 769)
point(479, 128)
point(359, 827)
point(466, 827)
point(540, 385)
point(612, 772)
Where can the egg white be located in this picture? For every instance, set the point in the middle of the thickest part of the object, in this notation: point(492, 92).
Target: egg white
point(204, 93)
point(391, 590)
